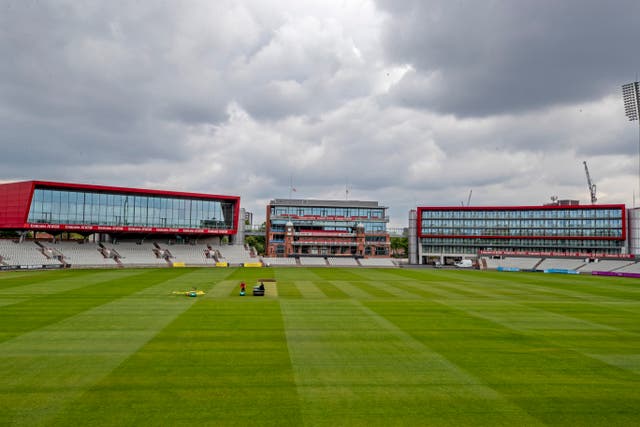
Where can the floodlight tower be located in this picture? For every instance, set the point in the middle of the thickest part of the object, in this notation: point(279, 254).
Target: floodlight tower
point(631, 97)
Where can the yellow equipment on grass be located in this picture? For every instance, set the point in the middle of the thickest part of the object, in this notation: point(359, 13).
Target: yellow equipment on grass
point(191, 293)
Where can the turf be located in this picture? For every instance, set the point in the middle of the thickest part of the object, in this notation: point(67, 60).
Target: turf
point(335, 347)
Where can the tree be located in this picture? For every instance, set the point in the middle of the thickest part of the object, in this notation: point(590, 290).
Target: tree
point(257, 242)
point(399, 246)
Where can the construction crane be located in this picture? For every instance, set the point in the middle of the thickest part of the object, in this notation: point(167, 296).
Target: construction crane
point(468, 199)
point(592, 186)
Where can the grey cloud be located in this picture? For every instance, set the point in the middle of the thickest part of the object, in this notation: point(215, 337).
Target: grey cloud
point(98, 84)
point(486, 58)
point(237, 97)
point(131, 79)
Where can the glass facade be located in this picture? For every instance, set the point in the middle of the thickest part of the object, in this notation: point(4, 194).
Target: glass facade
point(471, 246)
point(346, 212)
point(78, 207)
point(337, 218)
point(550, 223)
point(277, 225)
point(576, 230)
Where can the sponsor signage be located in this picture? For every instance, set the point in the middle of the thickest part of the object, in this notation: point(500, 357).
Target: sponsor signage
point(324, 233)
point(253, 264)
point(31, 267)
point(615, 273)
point(328, 217)
point(126, 229)
point(557, 254)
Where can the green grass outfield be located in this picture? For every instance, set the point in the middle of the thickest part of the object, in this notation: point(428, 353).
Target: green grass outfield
point(335, 347)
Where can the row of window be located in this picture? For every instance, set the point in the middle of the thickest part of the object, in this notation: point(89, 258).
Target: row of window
point(349, 212)
point(525, 214)
point(469, 250)
point(83, 207)
point(345, 226)
point(518, 223)
point(532, 232)
point(528, 243)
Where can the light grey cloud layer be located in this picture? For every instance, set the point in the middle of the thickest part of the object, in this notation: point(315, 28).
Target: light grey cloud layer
point(485, 58)
point(412, 102)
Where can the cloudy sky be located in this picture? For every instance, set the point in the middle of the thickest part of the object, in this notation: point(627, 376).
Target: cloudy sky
point(406, 102)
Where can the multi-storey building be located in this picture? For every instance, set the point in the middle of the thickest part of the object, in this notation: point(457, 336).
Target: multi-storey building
point(326, 228)
point(57, 207)
point(443, 233)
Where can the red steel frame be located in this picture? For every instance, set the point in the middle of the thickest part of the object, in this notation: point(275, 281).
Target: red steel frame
point(522, 208)
point(16, 200)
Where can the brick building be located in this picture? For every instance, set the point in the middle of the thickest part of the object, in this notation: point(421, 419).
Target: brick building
point(350, 228)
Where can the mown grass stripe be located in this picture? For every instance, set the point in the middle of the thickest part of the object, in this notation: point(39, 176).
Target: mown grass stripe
point(340, 274)
point(374, 371)
point(524, 318)
point(251, 275)
point(331, 290)
point(418, 289)
point(44, 370)
point(602, 315)
point(14, 274)
point(224, 288)
point(375, 291)
point(11, 301)
point(393, 289)
point(623, 307)
point(520, 348)
point(308, 289)
point(386, 275)
point(615, 287)
point(352, 290)
point(297, 273)
point(78, 296)
point(65, 282)
point(288, 289)
point(221, 362)
point(435, 288)
point(11, 279)
point(489, 289)
point(628, 362)
point(526, 369)
point(564, 292)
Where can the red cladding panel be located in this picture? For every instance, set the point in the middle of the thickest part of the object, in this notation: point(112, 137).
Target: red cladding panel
point(15, 199)
point(126, 229)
